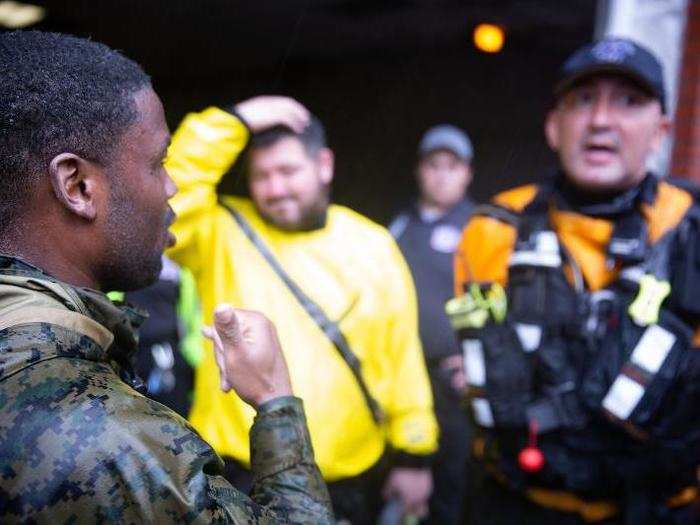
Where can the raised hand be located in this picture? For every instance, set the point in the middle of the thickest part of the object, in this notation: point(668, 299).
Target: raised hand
point(266, 111)
point(248, 355)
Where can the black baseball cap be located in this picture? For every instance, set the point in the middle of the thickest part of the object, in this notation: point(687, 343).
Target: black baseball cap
point(614, 55)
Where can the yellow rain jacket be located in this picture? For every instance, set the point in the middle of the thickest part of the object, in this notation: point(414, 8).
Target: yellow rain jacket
point(351, 268)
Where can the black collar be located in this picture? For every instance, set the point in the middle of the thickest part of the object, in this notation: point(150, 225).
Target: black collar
point(611, 205)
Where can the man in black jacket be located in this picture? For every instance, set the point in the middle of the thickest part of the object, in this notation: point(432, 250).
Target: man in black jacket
point(428, 233)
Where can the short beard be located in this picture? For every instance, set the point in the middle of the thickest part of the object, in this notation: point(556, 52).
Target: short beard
point(313, 218)
point(129, 264)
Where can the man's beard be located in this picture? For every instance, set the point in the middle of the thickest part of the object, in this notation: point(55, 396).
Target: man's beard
point(312, 218)
point(131, 261)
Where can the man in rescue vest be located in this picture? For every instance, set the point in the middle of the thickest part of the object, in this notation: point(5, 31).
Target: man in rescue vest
point(577, 316)
point(337, 288)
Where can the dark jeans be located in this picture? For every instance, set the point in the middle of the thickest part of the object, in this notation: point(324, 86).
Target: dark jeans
point(357, 499)
point(449, 467)
point(488, 502)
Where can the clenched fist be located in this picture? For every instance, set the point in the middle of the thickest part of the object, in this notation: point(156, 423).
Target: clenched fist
point(248, 354)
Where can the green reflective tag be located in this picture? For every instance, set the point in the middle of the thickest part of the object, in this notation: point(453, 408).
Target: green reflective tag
point(463, 312)
point(644, 310)
point(116, 296)
point(472, 309)
point(498, 303)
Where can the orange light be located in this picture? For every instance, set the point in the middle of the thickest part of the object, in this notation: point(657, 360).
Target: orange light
point(489, 38)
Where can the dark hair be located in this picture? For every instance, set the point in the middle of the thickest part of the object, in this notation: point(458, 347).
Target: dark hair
point(313, 137)
point(58, 93)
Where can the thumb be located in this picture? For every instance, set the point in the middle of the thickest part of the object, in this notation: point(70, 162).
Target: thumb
point(226, 324)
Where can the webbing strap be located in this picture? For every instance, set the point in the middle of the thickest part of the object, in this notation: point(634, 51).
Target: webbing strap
point(597, 510)
point(328, 327)
point(68, 319)
point(590, 511)
point(497, 212)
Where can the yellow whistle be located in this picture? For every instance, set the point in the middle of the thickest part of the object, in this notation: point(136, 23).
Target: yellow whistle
point(644, 310)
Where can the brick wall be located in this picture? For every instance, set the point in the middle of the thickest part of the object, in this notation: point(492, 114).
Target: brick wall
point(686, 151)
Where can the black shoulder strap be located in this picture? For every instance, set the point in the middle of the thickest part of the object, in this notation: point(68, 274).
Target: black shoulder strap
point(329, 328)
point(497, 212)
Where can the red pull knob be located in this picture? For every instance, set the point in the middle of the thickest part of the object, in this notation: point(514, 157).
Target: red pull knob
point(531, 458)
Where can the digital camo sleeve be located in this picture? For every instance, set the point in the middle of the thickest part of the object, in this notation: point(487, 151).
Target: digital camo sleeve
point(285, 476)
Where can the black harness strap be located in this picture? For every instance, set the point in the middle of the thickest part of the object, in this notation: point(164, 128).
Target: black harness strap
point(497, 212)
point(328, 327)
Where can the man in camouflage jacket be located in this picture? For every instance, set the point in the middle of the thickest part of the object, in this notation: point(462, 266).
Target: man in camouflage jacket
point(83, 196)
point(77, 441)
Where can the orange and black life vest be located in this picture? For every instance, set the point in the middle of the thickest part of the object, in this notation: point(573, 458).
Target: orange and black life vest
point(577, 321)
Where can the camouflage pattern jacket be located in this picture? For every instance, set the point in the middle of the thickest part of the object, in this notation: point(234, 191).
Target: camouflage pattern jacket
point(79, 444)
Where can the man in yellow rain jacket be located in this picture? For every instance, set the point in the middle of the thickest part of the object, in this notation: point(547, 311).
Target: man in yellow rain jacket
point(344, 263)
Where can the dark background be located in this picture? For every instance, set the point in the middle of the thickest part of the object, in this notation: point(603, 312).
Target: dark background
point(376, 73)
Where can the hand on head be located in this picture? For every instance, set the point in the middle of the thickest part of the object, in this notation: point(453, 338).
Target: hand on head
point(267, 111)
point(248, 355)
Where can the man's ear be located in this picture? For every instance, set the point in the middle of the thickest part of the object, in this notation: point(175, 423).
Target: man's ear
point(74, 181)
point(326, 165)
point(662, 131)
point(551, 130)
point(470, 174)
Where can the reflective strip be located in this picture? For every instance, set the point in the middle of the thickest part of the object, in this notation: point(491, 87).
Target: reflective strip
point(633, 274)
point(623, 397)
point(546, 252)
point(57, 316)
point(530, 336)
point(535, 258)
point(650, 353)
point(653, 348)
point(624, 247)
point(482, 412)
point(474, 365)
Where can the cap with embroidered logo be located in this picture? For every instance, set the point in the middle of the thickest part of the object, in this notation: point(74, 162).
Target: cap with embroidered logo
point(614, 55)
